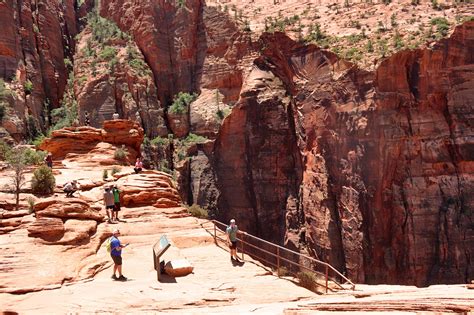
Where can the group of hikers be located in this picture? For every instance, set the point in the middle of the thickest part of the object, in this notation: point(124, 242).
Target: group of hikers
point(115, 116)
point(115, 247)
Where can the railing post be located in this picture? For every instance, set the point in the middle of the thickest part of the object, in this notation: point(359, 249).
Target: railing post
point(327, 271)
point(242, 246)
point(278, 261)
point(215, 232)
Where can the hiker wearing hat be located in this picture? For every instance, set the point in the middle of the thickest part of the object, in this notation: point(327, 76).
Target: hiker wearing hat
point(231, 232)
point(70, 188)
point(116, 193)
point(109, 203)
point(116, 254)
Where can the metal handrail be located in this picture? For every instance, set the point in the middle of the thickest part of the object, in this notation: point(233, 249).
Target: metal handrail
point(278, 256)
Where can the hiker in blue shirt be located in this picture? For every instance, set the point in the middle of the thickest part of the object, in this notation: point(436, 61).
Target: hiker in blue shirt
point(231, 232)
point(116, 253)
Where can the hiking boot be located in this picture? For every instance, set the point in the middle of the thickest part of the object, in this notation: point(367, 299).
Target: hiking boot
point(122, 278)
point(114, 277)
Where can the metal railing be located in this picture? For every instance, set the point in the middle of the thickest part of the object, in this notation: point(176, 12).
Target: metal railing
point(279, 256)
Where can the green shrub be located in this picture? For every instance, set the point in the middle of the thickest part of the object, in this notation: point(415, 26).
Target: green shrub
point(282, 271)
point(32, 157)
point(28, 87)
point(222, 113)
point(307, 280)
point(121, 154)
point(114, 170)
point(193, 138)
point(181, 103)
point(38, 140)
point(197, 211)
point(160, 142)
point(442, 25)
point(64, 116)
point(4, 150)
point(31, 205)
point(108, 53)
point(43, 181)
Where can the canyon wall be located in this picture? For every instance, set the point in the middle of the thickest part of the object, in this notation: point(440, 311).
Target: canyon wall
point(36, 39)
point(385, 182)
point(371, 171)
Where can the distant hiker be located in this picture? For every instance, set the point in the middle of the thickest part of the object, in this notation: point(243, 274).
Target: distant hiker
point(116, 193)
point(109, 203)
point(87, 121)
point(115, 116)
point(116, 254)
point(231, 232)
point(138, 166)
point(48, 159)
point(70, 188)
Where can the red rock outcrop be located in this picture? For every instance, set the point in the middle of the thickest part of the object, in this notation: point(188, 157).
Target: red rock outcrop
point(36, 39)
point(147, 188)
point(168, 35)
point(383, 189)
point(121, 84)
point(81, 140)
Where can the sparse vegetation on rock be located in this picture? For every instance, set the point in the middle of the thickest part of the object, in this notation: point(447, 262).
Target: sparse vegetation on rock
point(197, 211)
point(181, 102)
point(43, 181)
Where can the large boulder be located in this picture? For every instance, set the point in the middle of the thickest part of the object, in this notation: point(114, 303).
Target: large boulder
point(178, 268)
point(148, 188)
point(82, 140)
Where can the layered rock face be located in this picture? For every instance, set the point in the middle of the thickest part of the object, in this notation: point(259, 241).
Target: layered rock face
point(36, 39)
point(384, 188)
point(168, 35)
point(84, 140)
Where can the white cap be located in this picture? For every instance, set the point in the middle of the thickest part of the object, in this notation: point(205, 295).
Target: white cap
point(116, 231)
point(232, 221)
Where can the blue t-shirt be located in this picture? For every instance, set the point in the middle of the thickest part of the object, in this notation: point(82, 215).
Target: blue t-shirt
point(232, 232)
point(114, 243)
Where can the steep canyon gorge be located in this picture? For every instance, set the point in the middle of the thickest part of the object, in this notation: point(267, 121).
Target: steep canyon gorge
point(370, 170)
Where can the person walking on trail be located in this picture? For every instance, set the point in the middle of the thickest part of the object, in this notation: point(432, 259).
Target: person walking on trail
point(109, 203)
point(116, 254)
point(70, 188)
point(138, 166)
point(231, 233)
point(49, 160)
point(116, 193)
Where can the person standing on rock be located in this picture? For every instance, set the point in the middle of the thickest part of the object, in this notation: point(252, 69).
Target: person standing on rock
point(231, 232)
point(116, 254)
point(115, 116)
point(116, 193)
point(109, 203)
point(49, 160)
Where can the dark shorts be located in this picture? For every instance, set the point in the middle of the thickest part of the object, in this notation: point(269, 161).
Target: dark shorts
point(117, 206)
point(110, 207)
point(117, 259)
point(233, 244)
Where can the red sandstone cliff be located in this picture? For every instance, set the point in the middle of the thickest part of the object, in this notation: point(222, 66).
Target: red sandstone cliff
point(386, 184)
point(370, 171)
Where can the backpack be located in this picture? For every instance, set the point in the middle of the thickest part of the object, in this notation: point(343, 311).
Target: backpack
point(108, 244)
